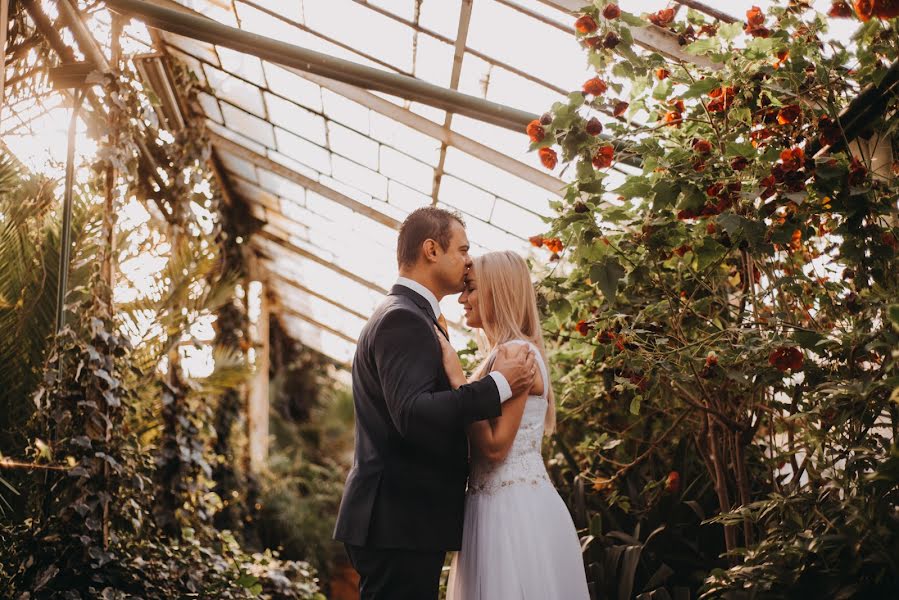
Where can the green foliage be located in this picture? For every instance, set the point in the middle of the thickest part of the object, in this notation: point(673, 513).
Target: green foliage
point(726, 314)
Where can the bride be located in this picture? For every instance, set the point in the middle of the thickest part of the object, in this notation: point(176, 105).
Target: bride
point(518, 540)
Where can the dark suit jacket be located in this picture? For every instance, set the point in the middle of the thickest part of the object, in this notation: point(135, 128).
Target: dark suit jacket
point(407, 485)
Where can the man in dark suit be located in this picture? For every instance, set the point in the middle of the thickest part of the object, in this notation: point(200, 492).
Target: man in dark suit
point(402, 506)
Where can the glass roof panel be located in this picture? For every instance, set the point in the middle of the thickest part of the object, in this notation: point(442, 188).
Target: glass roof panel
point(249, 126)
point(296, 119)
point(290, 85)
point(236, 91)
point(442, 17)
point(346, 142)
point(243, 65)
point(353, 24)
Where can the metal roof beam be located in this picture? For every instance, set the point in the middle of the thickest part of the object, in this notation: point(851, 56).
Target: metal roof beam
point(458, 54)
point(291, 247)
point(208, 30)
point(264, 162)
point(295, 313)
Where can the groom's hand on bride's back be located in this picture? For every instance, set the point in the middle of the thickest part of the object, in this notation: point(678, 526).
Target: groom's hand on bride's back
point(516, 363)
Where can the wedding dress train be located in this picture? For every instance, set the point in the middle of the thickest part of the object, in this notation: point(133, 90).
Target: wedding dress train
point(518, 541)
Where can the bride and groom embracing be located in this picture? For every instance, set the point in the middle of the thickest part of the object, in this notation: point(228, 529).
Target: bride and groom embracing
point(423, 432)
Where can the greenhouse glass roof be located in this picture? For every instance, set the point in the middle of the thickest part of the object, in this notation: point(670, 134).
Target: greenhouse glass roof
point(331, 169)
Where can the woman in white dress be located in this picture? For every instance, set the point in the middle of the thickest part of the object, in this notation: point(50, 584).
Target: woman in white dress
point(518, 541)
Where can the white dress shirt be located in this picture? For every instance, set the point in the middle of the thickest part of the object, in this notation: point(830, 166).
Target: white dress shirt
point(502, 384)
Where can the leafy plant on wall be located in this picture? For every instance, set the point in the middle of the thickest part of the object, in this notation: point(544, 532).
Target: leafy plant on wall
point(723, 335)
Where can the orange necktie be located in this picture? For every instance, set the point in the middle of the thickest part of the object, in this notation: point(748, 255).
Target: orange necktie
point(441, 320)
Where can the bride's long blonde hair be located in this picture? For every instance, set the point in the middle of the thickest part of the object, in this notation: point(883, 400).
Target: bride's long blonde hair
point(508, 306)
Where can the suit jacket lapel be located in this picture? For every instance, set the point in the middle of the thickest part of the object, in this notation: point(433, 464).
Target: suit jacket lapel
point(421, 302)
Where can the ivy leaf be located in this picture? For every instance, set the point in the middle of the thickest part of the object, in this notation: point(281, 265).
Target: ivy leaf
point(708, 253)
point(634, 187)
point(703, 46)
point(702, 87)
point(666, 193)
point(606, 275)
point(730, 31)
point(663, 90)
point(893, 314)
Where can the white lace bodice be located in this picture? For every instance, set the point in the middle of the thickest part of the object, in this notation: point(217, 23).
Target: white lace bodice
point(524, 463)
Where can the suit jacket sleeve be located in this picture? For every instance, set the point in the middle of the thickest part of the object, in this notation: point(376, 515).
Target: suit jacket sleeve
point(409, 365)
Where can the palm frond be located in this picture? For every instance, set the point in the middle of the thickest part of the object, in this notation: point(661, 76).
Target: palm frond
point(231, 370)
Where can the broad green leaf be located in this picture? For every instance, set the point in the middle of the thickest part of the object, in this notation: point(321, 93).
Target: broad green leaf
point(666, 193)
point(634, 187)
point(893, 314)
point(606, 275)
point(702, 87)
point(708, 253)
point(662, 90)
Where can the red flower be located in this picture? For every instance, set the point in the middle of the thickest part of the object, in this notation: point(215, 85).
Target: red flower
point(602, 158)
point(535, 131)
point(672, 482)
point(792, 158)
point(662, 18)
point(638, 380)
point(595, 86)
point(786, 358)
point(857, 172)
point(782, 56)
point(619, 108)
point(756, 23)
point(788, 114)
point(721, 99)
point(677, 104)
point(594, 42)
point(841, 10)
point(662, 74)
point(593, 127)
point(549, 158)
point(582, 327)
point(536, 241)
point(830, 132)
point(686, 214)
point(546, 118)
point(739, 163)
point(611, 40)
point(586, 24)
point(702, 146)
point(553, 244)
point(611, 11)
point(681, 250)
point(882, 9)
point(710, 228)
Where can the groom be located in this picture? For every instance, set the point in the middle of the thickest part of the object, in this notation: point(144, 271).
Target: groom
point(402, 506)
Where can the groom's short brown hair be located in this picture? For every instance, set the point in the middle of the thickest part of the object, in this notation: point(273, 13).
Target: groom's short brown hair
point(427, 222)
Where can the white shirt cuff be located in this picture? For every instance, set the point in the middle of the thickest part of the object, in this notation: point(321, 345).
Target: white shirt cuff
point(505, 392)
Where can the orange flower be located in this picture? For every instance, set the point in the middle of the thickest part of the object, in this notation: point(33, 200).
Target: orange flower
point(619, 108)
point(595, 86)
point(829, 132)
point(585, 24)
point(841, 10)
point(782, 56)
point(593, 127)
point(662, 74)
point(553, 244)
point(582, 327)
point(611, 11)
point(792, 158)
point(755, 25)
point(788, 114)
point(536, 241)
point(786, 358)
point(549, 158)
point(796, 240)
point(602, 158)
point(662, 18)
point(672, 482)
point(702, 146)
point(882, 9)
point(535, 131)
point(721, 99)
point(673, 118)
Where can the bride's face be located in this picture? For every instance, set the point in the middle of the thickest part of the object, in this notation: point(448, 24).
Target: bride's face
point(469, 299)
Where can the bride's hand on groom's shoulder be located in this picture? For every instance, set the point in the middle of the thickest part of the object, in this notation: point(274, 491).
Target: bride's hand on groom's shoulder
point(516, 363)
point(451, 363)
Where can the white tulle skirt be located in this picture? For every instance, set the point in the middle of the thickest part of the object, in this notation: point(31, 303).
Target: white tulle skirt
point(519, 543)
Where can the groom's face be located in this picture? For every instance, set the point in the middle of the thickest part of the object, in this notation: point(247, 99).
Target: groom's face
point(453, 264)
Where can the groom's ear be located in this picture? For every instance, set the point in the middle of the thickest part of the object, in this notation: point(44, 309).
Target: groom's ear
point(429, 250)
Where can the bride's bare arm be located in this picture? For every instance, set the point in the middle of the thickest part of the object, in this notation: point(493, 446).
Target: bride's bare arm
point(491, 439)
